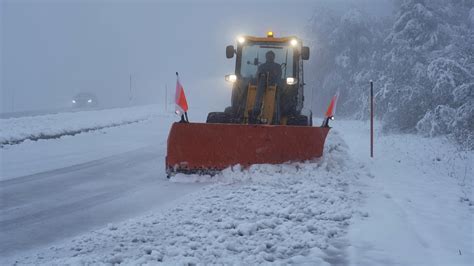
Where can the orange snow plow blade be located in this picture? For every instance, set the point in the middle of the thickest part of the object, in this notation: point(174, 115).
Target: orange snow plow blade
point(208, 148)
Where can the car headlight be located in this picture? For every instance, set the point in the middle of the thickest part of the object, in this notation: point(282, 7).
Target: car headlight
point(241, 40)
point(73, 101)
point(89, 101)
point(293, 42)
point(291, 81)
point(231, 78)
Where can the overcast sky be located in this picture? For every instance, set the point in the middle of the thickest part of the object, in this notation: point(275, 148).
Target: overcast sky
point(52, 50)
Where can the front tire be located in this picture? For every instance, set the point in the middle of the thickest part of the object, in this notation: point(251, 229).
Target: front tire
point(218, 118)
point(298, 120)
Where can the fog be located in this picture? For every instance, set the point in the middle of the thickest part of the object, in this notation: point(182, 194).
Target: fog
point(52, 50)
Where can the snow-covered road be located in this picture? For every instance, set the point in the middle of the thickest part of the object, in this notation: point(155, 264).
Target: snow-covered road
point(41, 208)
point(55, 189)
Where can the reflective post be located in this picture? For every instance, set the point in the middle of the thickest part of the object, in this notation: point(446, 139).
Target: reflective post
point(371, 119)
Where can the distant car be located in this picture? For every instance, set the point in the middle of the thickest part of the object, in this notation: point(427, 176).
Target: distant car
point(84, 100)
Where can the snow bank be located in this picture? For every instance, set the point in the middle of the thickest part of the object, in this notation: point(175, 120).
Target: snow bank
point(418, 199)
point(290, 213)
point(16, 130)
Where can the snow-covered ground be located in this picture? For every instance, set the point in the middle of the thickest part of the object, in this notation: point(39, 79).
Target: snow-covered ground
point(18, 129)
point(290, 213)
point(419, 200)
point(410, 205)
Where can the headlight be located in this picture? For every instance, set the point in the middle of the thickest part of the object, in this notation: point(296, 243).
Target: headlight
point(231, 78)
point(291, 81)
point(73, 101)
point(89, 101)
point(241, 40)
point(294, 42)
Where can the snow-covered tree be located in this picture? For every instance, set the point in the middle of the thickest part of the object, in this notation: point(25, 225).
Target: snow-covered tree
point(421, 61)
point(343, 48)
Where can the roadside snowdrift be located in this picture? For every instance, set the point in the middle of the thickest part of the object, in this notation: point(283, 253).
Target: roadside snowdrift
point(418, 199)
point(17, 130)
point(291, 213)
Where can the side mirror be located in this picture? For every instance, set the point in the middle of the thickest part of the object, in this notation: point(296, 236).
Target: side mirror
point(305, 52)
point(229, 51)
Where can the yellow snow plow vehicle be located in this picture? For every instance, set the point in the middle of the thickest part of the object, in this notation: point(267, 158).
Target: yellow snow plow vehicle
point(265, 122)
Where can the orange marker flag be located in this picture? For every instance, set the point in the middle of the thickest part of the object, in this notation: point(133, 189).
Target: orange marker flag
point(332, 106)
point(180, 98)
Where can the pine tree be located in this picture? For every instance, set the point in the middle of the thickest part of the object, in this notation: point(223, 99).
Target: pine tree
point(421, 60)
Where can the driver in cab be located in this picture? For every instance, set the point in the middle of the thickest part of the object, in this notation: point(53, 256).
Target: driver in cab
point(273, 70)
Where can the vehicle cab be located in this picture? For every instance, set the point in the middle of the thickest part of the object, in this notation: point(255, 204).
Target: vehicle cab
point(250, 54)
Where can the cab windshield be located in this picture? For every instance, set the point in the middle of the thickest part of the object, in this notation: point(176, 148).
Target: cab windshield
point(253, 55)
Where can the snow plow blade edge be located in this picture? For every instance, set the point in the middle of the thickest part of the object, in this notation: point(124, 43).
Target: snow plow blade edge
point(208, 148)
